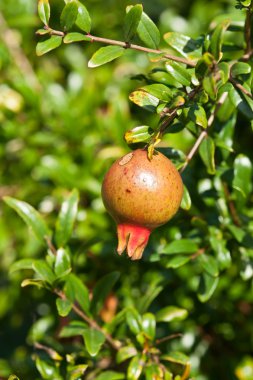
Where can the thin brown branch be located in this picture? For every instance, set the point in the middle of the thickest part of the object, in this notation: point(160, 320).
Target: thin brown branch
point(169, 337)
point(247, 32)
point(52, 353)
point(204, 133)
point(92, 323)
point(50, 245)
point(240, 87)
point(199, 252)
point(128, 45)
point(231, 206)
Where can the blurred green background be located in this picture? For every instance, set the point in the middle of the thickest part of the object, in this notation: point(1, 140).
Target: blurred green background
point(61, 126)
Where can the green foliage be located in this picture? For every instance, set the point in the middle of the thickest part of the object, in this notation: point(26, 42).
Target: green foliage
point(81, 311)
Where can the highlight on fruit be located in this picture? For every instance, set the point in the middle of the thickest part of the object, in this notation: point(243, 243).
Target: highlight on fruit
point(141, 195)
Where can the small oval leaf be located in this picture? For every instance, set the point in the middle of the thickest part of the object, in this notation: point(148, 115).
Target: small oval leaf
point(52, 43)
point(104, 55)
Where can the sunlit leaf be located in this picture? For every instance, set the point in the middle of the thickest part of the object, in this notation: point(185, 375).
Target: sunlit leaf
point(148, 32)
point(44, 11)
point(52, 43)
point(184, 45)
point(83, 20)
point(69, 15)
point(171, 313)
point(64, 306)
point(242, 175)
point(75, 37)
point(207, 151)
point(104, 55)
point(66, 219)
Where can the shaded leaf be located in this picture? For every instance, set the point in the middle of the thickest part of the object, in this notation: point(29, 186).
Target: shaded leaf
point(30, 216)
point(83, 20)
point(44, 271)
point(64, 306)
point(148, 32)
point(22, 264)
point(207, 286)
point(209, 264)
point(206, 151)
point(104, 55)
point(240, 68)
point(44, 11)
point(66, 219)
point(198, 115)
point(133, 319)
point(52, 43)
point(215, 46)
point(241, 103)
point(102, 289)
point(69, 14)
point(132, 19)
point(74, 328)
point(177, 261)
point(93, 340)
point(76, 290)
point(186, 246)
point(171, 313)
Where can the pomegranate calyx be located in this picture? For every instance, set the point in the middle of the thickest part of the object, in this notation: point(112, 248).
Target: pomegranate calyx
point(133, 239)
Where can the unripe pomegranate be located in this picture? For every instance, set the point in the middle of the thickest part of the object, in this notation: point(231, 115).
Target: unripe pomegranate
point(141, 194)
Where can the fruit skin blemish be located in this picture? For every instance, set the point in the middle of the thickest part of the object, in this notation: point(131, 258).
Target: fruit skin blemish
point(141, 195)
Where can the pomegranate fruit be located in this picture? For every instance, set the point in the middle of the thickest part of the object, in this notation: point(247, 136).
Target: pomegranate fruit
point(141, 194)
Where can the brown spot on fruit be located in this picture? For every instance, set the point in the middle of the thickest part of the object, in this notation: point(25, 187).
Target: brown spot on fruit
point(156, 192)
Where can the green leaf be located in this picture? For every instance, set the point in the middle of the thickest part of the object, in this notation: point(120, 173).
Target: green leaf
point(125, 353)
point(177, 357)
point(209, 85)
point(151, 293)
point(44, 271)
point(69, 15)
point(74, 328)
point(240, 68)
point(177, 261)
point(75, 372)
point(240, 102)
point(171, 313)
point(184, 45)
point(149, 325)
point(66, 219)
point(207, 151)
point(64, 306)
point(44, 11)
point(13, 377)
point(209, 264)
point(135, 368)
point(148, 32)
point(219, 247)
point(47, 371)
point(186, 200)
point(83, 20)
point(132, 20)
point(22, 264)
point(179, 73)
point(204, 66)
point(138, 134)
point(31, 282)
point(75, 37)
point(110, 375)
point(76, 290)
point(242, 175)
point(207, 286)
point(198, 115)
point(217, 39)
point(133, 319)
point(117, 320)
point(30, 216)
point(185, 246)
point(62, 264)
point(224, 70)
point(102, 289)
point(52, 43)
point(154, 371)
point(144, 99)
point(104, 55)
point(93, 340)
point(160, 91)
